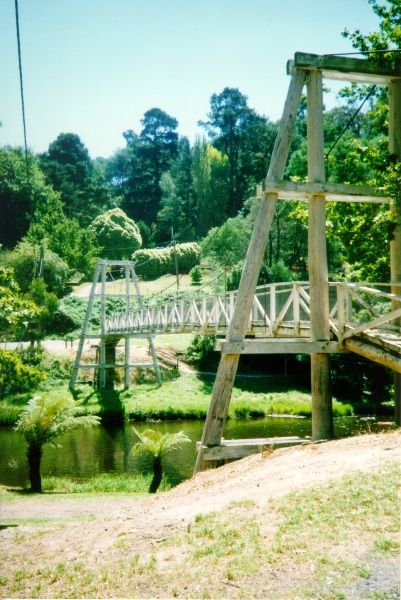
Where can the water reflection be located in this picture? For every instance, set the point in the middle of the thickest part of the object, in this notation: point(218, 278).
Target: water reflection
point(84, 453)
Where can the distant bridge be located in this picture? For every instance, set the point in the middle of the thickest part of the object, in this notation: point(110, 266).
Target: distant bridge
point(363, 319)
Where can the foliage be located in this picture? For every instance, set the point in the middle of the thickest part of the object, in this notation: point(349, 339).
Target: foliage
point(388, 37)
point(228, 245)
point(156, 445)
point(15, 312)
point(48, 304)
point(76, 246)
point(68, 168)
point(244, 137)
point(72, 310)
point(210, 171)
point(196, 275)
point(201, 354)
point(15, 377)
point(153, 263)
point(149, 155)
point(25, 260)
point(118, 235)
point(56, 367)
point(45, 419)
point(24, 195)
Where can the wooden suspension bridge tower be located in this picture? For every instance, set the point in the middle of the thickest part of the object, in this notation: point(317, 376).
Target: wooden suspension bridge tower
point(309, 70)
point(106, 361)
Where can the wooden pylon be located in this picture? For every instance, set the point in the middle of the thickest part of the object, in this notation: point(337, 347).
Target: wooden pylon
point(218, 409)
point(106, 356)
point(310, 69)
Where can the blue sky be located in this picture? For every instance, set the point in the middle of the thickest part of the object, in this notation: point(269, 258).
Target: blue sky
point(93, 67)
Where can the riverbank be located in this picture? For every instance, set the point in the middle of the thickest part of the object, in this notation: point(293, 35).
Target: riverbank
point(316, 521)
point(184, 397)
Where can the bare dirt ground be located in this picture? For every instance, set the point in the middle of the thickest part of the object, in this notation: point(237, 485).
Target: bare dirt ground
point(257, 478)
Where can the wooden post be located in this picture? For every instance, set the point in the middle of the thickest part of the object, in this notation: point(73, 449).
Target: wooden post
point(85, 327)
point(150, 337)
point(322, 412)
point(127, 339)
point(110, 359)
point(394, 140)
point(102, 359)
point(218, 409)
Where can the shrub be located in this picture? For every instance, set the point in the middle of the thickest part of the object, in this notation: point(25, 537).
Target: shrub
point(155, 263)
point(15, 377)
point(196, 275)
point(117, 234)
point(201, 354)
point(25, 260)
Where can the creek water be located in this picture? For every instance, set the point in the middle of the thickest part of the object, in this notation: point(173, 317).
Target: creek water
point(85, 453)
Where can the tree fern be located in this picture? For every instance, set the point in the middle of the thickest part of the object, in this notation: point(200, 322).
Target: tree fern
point(156, 445)
point(44, 419)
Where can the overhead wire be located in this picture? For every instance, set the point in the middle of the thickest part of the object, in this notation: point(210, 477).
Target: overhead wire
point(22, 90)
point(387, 51)
point(188, 270)
point(369, 94)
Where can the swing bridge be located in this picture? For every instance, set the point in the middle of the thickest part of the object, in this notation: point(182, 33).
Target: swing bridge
point(316, 318)
point(362, 320)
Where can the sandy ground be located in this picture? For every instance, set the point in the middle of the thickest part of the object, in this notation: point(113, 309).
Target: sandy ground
point(257, 477)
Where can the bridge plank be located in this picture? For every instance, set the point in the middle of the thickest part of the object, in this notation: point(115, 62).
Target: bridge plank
point(240, 448)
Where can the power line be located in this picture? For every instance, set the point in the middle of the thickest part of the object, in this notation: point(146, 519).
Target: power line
point(22, 89)
point(372, 89)
point(389, 50)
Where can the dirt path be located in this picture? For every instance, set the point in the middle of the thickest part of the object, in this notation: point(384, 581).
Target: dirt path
point(254, 478)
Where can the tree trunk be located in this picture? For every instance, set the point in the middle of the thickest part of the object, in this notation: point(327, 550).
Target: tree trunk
point(157, 475)
point(34, 454)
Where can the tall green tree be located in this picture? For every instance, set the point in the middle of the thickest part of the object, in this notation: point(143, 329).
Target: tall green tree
point(210, 173)
point(75, 245)
point(244, 137)
point(177, 208)
point(152, 153)
point(69, 169)
point(24, 194)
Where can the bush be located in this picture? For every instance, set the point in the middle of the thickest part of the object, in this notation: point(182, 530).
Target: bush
point(15, 377)
point(72, 310)
point(25, 262)
point(196, 275)
point(201, 354)
point(155, 263)
point(117, 234)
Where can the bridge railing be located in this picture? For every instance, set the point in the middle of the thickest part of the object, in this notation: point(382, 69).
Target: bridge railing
point(362, 309)
point(278, 310)
point(276, 307)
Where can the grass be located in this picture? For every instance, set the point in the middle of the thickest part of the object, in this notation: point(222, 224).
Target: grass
point(183, 397)
point(300, 546)
point(102, 483)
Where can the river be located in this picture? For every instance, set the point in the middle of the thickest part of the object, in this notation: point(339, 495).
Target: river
point(85, 453)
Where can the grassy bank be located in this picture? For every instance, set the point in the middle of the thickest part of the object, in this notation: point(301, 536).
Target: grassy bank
point(184, 397)
point(308, 550)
